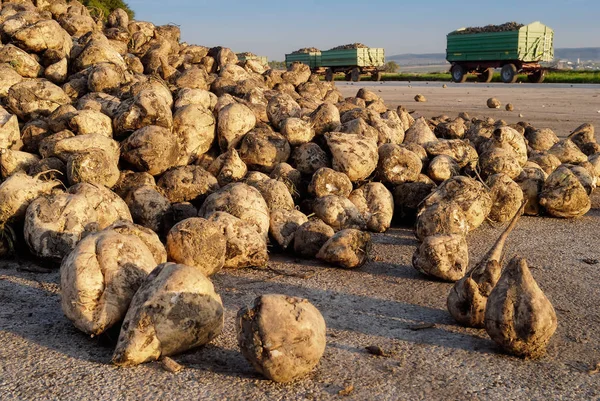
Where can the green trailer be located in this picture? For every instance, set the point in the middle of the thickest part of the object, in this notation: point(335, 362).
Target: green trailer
point(518, 50)
point(312, 59)
point(351, 62)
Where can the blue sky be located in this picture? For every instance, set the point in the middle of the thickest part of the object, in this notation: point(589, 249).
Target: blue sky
point(273, 28)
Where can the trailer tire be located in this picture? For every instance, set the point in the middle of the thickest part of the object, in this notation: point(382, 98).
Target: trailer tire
point(537, 77)
point(347, 77)
point(355, 74)
point(509, 73)
point(377, 76)
point(459, 74)
point(486, 75)
point(329, 75)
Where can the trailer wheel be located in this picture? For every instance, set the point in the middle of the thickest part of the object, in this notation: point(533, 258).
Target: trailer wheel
point(355, 74)
point(537, 77)
point(329, 75)
point(486, 75)
point(376, 76)
point(458, 73)
point(348, 77)
point(509, 74)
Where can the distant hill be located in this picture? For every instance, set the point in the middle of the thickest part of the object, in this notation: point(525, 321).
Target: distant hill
point(572, 54)
point(583, 53)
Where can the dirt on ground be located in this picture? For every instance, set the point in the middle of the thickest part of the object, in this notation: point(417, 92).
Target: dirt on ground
point(385, 305)
point(561, 107)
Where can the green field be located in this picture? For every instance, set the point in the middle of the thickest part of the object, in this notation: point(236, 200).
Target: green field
point(556, 77)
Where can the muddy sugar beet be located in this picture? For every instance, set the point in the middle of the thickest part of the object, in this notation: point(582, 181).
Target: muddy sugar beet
point(282, 337)
point(519, 316)
point(175, 309)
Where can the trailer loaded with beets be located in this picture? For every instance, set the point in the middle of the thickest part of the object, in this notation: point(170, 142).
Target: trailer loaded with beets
point(515, 48)
point(351, 60)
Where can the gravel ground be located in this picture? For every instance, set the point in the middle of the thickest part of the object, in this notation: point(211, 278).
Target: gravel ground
point(385, 303)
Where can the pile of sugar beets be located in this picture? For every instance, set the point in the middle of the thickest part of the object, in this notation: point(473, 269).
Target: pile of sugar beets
point(144, 166)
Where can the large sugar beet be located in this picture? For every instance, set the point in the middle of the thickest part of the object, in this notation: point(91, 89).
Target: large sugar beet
point(547, 162)
point(283, 225)
point(585, 139)
point(18, 191)
point(35, 98)
point(444, 256)
point(199, 97)
point(149, 208)
point(563, 195)
point(195, 127)
point(242, 201)
point(348, 248)
point(262, 150)
point(187, 183)
point(291, 177)
point(8, 77)
point(326, 181)
point(507, 197)
point(454, 129)
point(151, 149)
point(376, 204)
point(469, 194)
point(311, 236)
point(69, 145)
point(21, 62)
point(442, 167)
point(567, 152)
point(518, 316)
point(441, 218)
point(91, 122)
point(531, 181)
point(468, 297)
point(338, 212)
point(245, 246)
point(282, 337)
point(353, 155)
point(99, 278)
point(509, 139)
point(419, 133)
point(228, 168)
point(148, 107)
point(541, 139)
point(309, 157)
point(398, 164)
point(281, 107)
point(326, 118)
point(102, 102)
point(147, 236)
point(297, 131)
point(130, 180)
point(199, 243)
point(54, 224)
point(174, 310)
point(275, 193)
point(10, 135)
point(461, 151)
point(234, 121)
point(94, 166)
point(359, 126)
point(12, 161)
point(500, 161)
